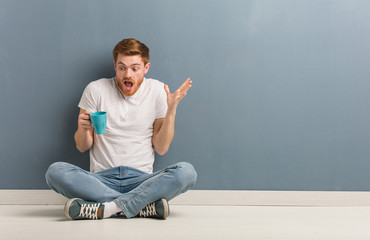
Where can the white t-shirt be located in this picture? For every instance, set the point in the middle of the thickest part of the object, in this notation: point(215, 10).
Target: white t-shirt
point(129, 131)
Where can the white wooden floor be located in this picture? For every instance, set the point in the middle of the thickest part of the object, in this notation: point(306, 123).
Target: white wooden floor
point(192, 222)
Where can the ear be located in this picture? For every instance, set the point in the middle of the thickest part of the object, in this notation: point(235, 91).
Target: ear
point(146, 68)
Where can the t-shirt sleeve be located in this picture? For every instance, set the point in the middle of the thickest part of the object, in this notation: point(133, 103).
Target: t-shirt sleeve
point(161, 108)
point(89, 99)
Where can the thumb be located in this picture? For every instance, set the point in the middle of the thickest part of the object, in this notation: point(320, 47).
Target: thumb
point(166, 89)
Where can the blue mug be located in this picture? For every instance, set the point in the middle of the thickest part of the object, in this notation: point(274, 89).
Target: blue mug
point(99, 121)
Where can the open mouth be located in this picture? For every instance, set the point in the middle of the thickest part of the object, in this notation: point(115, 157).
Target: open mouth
point(128, 84)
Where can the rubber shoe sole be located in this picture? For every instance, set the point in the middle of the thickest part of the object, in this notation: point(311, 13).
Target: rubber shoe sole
point(166, 208)
point(68, 204)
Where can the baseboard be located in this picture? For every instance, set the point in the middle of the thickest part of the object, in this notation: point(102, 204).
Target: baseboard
point(214, 197)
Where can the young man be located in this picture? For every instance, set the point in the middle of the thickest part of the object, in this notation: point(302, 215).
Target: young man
point(140, 120)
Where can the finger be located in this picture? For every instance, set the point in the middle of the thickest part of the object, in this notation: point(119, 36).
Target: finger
point(87, 127)
point(166, 89)
point(85, 121)
point(184, 87)
point(185, 84)
point(86, 115)
point(180, 95)
point(184, 91)
point(85, 124)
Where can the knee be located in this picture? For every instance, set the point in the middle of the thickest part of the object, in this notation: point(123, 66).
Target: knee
point(187, 174)
point(55, 172)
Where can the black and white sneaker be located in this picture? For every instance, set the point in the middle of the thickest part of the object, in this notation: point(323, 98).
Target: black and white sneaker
point(158, 209)
point(78, 209)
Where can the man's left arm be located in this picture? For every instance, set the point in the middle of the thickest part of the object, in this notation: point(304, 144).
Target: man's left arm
point(164, 128)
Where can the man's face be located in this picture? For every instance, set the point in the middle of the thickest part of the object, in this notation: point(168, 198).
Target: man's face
point(130, 71)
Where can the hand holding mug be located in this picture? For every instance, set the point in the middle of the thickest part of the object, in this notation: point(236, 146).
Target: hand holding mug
point(84, 122)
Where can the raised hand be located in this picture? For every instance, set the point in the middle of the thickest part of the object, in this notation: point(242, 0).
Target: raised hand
point(173, 99)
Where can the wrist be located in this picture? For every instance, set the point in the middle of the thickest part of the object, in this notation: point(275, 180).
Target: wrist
point(171, 111)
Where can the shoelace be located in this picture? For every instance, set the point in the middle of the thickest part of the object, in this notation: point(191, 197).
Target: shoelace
point(148, 211)
point(89, 210)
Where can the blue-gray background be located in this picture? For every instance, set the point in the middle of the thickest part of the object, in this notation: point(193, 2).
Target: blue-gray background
point(280, 97)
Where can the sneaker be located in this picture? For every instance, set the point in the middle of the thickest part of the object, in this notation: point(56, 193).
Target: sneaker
point(76, 209)
point(157, 209)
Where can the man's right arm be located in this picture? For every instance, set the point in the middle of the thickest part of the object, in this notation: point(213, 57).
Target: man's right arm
point(84, 135)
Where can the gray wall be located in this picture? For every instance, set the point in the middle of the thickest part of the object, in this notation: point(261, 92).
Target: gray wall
point(280, 97)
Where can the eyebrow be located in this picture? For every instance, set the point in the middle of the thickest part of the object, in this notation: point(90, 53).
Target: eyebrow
point(135, 64)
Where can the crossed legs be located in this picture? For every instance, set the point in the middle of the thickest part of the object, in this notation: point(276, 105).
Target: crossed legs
point(130, 189)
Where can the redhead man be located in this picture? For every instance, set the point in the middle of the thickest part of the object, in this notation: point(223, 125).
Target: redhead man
point(140, 121)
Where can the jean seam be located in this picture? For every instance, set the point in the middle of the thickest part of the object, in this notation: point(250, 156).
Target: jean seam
point(122, 207)
point(125, 202)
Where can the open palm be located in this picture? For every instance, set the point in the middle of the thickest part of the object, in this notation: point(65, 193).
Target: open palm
point(173, 99)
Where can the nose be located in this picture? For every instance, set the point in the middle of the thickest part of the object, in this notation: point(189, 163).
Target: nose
point(128, 74)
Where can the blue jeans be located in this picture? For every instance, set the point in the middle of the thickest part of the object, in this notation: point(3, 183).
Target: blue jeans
point(129, 188)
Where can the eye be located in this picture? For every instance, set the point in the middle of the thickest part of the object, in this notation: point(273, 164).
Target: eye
point(122, 68)
point(135, 69)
